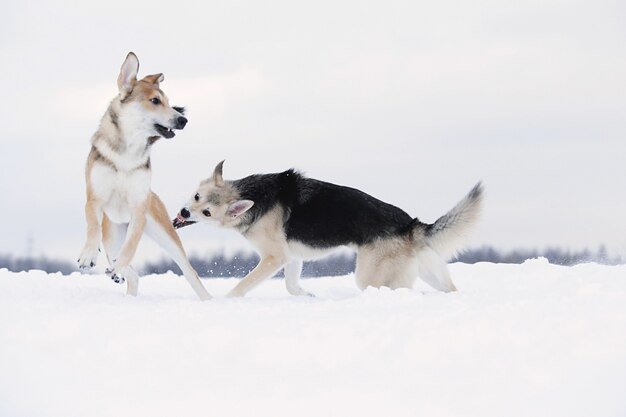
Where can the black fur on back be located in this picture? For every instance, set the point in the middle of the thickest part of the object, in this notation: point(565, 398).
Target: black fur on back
point(321, 214)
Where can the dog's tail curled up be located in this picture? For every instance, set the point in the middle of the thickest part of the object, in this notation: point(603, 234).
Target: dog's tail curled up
point(445, 236)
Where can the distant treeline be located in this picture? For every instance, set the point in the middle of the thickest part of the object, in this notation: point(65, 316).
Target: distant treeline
point(555, 256)
point(240, 264)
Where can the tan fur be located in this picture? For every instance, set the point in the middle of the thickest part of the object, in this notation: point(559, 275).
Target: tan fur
point(159, 213)
point(120, 205)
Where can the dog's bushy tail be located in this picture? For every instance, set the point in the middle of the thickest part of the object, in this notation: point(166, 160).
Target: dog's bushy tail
point(445, 236)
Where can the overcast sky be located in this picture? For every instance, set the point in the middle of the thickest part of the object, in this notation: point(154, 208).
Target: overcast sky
point(410, 101)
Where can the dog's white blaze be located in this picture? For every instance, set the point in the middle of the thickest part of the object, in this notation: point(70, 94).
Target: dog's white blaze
point(137, 124)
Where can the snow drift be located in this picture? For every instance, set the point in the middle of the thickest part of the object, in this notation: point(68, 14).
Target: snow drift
point(516, 340)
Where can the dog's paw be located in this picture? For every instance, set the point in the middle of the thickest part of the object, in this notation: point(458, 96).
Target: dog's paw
point(117, 278)
point(300, 292)
point(88, 258)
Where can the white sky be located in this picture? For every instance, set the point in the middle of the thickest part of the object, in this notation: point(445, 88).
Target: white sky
point(412, 102)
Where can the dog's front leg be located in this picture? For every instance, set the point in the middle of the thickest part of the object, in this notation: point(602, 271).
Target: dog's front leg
point(93, 215)
point(267, 267)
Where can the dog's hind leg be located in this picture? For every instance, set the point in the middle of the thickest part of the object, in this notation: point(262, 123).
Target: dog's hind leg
point(433, 270)
point(160, 229)
point(293, 270)
point(133, 236)
point(386, 263)
point(132, 281)
point(113, 236)
point(121, 270)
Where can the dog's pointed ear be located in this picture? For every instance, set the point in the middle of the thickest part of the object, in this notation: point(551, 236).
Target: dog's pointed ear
point(217, 174)
point(239, 207)
point(154, 79)
point(128, 74)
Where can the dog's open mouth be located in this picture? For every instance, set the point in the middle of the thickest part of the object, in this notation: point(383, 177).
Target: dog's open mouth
point(164, 131)
point(179, 222)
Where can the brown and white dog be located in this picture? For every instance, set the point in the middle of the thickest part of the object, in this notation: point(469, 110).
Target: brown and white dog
point(120, 204)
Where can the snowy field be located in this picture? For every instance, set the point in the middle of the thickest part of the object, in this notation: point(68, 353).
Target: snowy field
point(516, 340)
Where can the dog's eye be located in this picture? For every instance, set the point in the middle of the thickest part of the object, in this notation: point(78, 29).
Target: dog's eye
point(155, 101)
point(197, 197)
point(206, 212)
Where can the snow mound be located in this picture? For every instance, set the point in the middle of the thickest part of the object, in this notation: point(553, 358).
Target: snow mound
point(516, 340)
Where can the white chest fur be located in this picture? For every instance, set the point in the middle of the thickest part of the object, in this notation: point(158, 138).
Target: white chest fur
point(120, 191)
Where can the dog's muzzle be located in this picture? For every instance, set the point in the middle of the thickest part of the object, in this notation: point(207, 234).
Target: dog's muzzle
point(168, 133)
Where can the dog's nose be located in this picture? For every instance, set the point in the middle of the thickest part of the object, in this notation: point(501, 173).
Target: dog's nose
point(181, 122)
point(185, 213)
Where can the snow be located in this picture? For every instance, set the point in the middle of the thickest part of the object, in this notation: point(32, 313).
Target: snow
point(516, 340)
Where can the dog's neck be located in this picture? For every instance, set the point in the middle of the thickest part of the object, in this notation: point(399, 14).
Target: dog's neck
point(121, 138)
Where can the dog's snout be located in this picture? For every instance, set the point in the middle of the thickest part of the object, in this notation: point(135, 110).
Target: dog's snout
point(185, 213)
point(181, 122)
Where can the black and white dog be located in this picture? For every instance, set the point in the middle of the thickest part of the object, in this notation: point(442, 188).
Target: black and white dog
point(289, 217)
